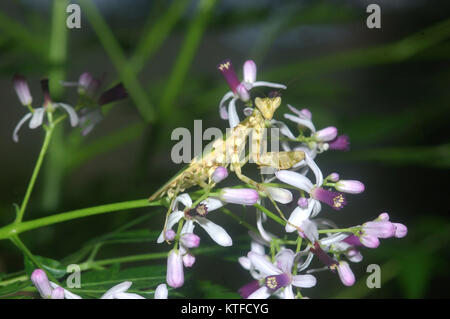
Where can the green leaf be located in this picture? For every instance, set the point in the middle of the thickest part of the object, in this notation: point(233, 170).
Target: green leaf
point(14, 288)
point(54, 267)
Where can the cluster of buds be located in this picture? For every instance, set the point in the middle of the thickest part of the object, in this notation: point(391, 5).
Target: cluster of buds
point(85, 114)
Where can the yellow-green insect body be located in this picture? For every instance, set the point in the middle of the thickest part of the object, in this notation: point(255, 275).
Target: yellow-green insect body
point(229, 152)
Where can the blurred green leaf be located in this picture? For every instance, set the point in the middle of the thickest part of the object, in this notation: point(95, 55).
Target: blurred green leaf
point(214, 291)
point(54, 267)
point(13, 288)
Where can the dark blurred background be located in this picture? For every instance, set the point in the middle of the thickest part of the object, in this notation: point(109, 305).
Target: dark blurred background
point(387, 88)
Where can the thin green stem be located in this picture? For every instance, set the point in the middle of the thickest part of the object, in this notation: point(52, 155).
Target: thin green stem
point(339, 230)
point(270, 214)
point(240, 220)
point(37, 167)
point(14, 229)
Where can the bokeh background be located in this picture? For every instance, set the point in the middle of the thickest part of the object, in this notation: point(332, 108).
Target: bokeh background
point(387, 88)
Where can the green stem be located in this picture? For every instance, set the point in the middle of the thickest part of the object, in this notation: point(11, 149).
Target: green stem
point(240, 220)
point(339, 230)
point(48, 136)
point(17, 228)
point(270, 214)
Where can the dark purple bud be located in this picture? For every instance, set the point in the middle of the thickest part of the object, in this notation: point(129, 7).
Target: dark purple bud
point(115, 93)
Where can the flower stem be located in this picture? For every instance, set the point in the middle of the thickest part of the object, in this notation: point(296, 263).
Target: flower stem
point(17, 228)
point(48, 136)
point(270, 214)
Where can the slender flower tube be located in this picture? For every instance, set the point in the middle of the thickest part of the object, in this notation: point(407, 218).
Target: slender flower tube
point(161, 292)
point(345, 273)
point(243, 196)
point(380, 229)
point(335, 200)
point(340, 143)
point(219, 174)
point(22, 90)
point(349, 186)
point(175, 274)
point(42, 284)
point(226, 67)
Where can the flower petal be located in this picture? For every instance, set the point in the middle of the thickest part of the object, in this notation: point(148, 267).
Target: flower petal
point(295, 179)
point(161, 292)
point(73, 117)
point(233, 117)
point(122, 287)
point(262, 264)
point(19, 125)
point(222, 109)
point(297, 217)
point(285, 260)
point(216, 232)
point(288, 293)
point(38, 117)
point(269, 84)
point(185, 199)
point(304, 281)
point(212, 203)
point(261, 293)
point(173, 218)
point(301, 122)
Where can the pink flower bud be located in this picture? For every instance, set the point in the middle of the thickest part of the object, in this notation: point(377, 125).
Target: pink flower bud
point(175, 274)
point(188, 260)
point(380, 229)
point(243, 196)
point(22, 90)
point(170, 235)
point(40, 281)
point(350, 186)
point(400, 230)
point(334, 177)
point(220, 173)
point(327, 134)
point(340, 143)
point(250, 71)
point(306, 113)
point(354, 255)
point(243, 93)
point(383, 217)
point(190, 240)
point(345, 274)
point(58, 293)
point(369, 241)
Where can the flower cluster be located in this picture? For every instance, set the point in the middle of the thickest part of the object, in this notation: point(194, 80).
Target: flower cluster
point(282, 271)
point(86, 114)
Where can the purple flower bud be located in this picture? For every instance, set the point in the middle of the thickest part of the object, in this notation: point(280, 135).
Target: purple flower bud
point(46, 90)
point(302, 202)
point(249, 289)
point(40, 281)
point(335, 200)
point(340, 143)
point(175, 274)
point(243, 196)
point(352, 240)
point(380, 229)
point(22, 90)
point(190, 240)
point(161, 292)
point(345, 273)
point(188, 260)
point(115, 93)
point(334, 177)
point(383, 217)
point(85, 80)
point(369, 241)
point(400, 230)
point(226, 67)
point(350, 186)
point(219, 174)
point(58, 293)
point(327, 134)
point(250, 71)
point(170, 235)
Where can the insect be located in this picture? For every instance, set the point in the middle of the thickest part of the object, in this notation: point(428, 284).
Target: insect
point(228, 153)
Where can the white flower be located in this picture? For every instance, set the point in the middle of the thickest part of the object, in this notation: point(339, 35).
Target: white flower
point(278, 278)
point(239, 90)
point(196, 214)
